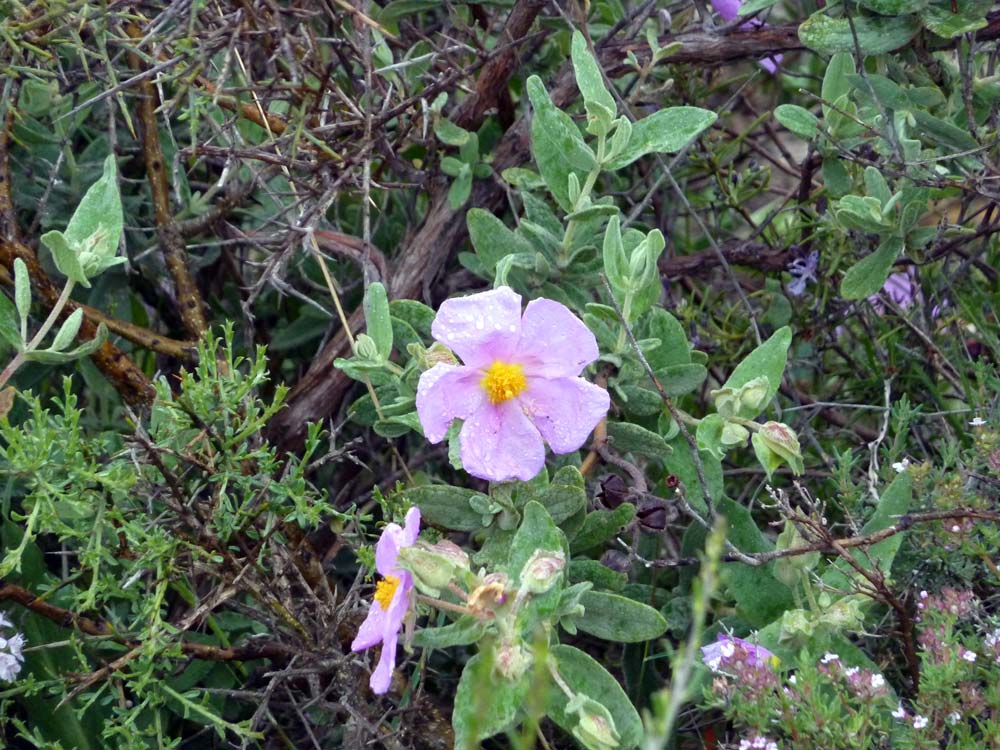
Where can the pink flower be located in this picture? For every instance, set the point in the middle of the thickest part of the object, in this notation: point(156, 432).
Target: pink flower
point(730, 11)
point(728, 650)
point(393, 596)
point(518, 387)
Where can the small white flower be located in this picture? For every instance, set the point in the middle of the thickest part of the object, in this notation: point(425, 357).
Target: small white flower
point(772, 745)
point(828, 657)
point(924, 595)
point(919, 722)
point(900, 466)
point(792, 680)
point(977, 422)
point(851, 671)
point(878, 681)
point(728, 649)
point(969, 656)
point(954, 717)
point(955, 529)
point(899, 713)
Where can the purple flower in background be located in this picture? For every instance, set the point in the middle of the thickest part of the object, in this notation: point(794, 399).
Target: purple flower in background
point(393, 596)
point(730, 11)
point(803, 270)
point(518, 387)
point(11, 657)
point(728, 651)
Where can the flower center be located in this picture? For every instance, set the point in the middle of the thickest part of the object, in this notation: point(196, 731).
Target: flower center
point(504, 382)
point(385, 590)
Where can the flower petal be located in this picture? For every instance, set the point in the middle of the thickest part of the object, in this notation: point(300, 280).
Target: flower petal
point(499, 444)
point(371, 629)
point(564, 410)
point(445, 393)
point(728, 9)
point(554, 342)
point(482, 327)
point(382, 676)
point(770, 64)
point(411, 526)
point(387, 549)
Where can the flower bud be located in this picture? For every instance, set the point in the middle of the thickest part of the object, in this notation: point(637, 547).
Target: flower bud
point(734, 434)
point(596, 728)
point(727, 402)
point(775, 443)
point(542, 571)
point(434, 566)
point(511, 659)
point(365, 348)
point(753, 396)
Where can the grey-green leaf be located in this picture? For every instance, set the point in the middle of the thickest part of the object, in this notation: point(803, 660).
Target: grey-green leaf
point(665, 132)
point(869, 274)
point(627, 437)
point(67, 331)
point(875, 34)
point(589, 79)
point(618, 618)
point(768, 359)
point(22, 289)
point(10, 329)
point(484, 705)
point(583, 674)
point(447, 506)
point(798, 120)
point(492, 239)
point(378, 322)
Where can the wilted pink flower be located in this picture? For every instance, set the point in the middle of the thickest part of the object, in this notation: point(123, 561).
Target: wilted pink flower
point(730, 11)
point(393, 596)
point(518, 386)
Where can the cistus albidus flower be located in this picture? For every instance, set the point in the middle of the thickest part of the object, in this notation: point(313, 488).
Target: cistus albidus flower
point(728, 651)
point(393, 597)
point(730, 11)
point(518, 386)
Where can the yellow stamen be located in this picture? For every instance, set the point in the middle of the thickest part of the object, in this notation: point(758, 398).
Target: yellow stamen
point(504, 382)
point(385, 590)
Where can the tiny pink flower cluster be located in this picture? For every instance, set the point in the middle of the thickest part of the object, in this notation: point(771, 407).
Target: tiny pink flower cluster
point(758, 742)
point(961, 604)
point(751, 666)
point(863, 683)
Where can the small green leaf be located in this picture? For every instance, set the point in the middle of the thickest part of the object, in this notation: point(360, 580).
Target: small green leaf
point(594, 572)
point(10, 329)
point(895, 502)
point(22, 290)
point(709, 435)
point(869, 274)
point(461, 188)
point(618, 618)
point(678, 380)
point(589, 79)
point(767, 360)
point(798, 120)
point(378, 322)
point(601, 525)
point(565, 496)
point(673, 348)
point(450, 133)
point(556, 143)
point(894, 7)
point(67, 331)
point(465, 631)
point(446, 506)
point(627, 437)
point(666, 131)
point(64, 257)
point(492, 239)
point(836, 81)
point(943, 19)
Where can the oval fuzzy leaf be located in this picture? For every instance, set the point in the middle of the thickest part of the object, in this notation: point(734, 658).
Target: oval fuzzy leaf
point(465, 631)
point(67, 331)
point(627, 437)
point(378, 323)
point(664, 132)
point(768, 359)
point(618, 618)
point(583, 674)
point(680, 379)
point(798, 120)
point(869, 274)
point(485, 705)
point(875, 34)
point(588, 75)
point(10, 327)
point(492, 239)
point(446, 506)
point(556, 143)
point(601, 525)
